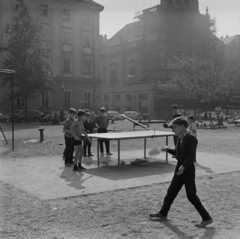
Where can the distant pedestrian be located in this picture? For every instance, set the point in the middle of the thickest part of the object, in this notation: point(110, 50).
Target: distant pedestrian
point(77, 130)
point(89, 126)
point(69, 147)
point(192, 125)
point(102, 123)
point(61, 113)
point(184, 174)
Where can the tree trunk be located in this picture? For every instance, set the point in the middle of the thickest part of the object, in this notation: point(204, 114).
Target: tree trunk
point(26, 114)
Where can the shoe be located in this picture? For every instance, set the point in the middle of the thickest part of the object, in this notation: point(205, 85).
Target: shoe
point(68, 165)
point(80, 167)
point(109, 153)
point(90, 155)
point(159, 215)
point(102, 154)
point(85, 155)
point(204, 223)
point(75, 168)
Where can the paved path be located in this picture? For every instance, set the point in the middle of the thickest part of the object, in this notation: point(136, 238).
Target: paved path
point(47, 178)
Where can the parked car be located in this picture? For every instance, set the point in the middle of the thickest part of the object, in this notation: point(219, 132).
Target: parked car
point(4, 118)
point(132, 114)
point(114, 115)
point(32, 115)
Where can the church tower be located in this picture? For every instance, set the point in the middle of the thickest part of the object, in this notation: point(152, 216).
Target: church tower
point(191, 5)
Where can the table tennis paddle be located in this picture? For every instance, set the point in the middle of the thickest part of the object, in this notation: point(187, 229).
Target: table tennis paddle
point(156, 151)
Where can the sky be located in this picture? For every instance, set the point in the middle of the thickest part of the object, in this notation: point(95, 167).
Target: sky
point(118, 13)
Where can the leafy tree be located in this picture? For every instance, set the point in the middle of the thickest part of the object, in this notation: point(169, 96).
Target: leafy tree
point(26, 54)
point(199, 79)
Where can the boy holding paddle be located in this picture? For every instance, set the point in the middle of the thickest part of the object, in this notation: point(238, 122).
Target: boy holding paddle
point(184, 174)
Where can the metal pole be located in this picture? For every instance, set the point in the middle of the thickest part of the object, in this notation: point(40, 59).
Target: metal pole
point(12, 81)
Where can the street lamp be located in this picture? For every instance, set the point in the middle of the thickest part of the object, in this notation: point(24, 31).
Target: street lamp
point(63, 86)
point(11, 72)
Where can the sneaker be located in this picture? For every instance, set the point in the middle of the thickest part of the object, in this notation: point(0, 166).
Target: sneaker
point(85, 155)
point(109, 153)
point(75, 168)
point(204, 223)
point(90, 155)
point(158, 215)
point(80, 167)
point(102, 154)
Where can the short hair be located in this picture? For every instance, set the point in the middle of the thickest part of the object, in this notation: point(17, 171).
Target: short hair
point(72, 111)
point(180, 121)
point(88, 114)
point(174, 106)
point(80, 113)
point(191, 117)
point(102, 109)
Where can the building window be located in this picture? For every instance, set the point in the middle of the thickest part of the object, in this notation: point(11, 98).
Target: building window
point(66, 37)
point(18, 4)
point(86, 41)
point(87, 99)
point(128, 108)
point(66, 14)
point(20, 103)
point(106, 97)
point(117, 97)
point(45, 99)
point(133, 72)
point(87, 66)
point(128, 97)
point(43, 10)
point(67, 64)
point(143, 96)
point(113, 76)
point(86, 19)
point(117, 109)
point(67, 98)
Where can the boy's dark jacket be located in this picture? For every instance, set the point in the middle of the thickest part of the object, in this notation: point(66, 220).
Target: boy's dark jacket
point(89, 126)
point(185, 152)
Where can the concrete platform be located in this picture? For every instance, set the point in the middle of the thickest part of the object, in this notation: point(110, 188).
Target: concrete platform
point(47, 178)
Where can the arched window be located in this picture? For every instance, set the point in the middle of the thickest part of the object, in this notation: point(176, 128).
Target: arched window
point(113, 76)
point(133, 72)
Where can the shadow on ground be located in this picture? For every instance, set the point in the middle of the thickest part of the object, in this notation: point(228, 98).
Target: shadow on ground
point(131, 171)
point(74, 179)
point(208, 233)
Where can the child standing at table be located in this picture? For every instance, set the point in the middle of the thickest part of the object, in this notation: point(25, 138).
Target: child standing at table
point(78, 130)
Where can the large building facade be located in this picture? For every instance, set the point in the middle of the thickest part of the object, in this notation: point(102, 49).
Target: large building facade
point(232, 61)
point(134, 59)
point(71, 31)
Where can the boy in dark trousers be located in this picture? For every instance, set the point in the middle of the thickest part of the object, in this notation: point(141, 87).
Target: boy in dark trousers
point(68, 152)
point(89, 126)
point(102, 122)
point(184, 174)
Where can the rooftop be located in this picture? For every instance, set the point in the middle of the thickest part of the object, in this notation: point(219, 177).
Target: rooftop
point(130, 32)
point(227, 39)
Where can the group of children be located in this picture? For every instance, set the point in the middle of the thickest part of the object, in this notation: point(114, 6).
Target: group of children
point(76, 129)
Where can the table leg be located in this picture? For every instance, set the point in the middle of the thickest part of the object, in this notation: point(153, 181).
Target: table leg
point(166, 152)
point(98, 153)
point(119, 152)
point(145, 145)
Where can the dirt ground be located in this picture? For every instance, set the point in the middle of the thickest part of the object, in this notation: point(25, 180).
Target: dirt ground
point(122, 213)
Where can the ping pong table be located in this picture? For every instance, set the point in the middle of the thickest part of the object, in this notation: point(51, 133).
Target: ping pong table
point(130, 135)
